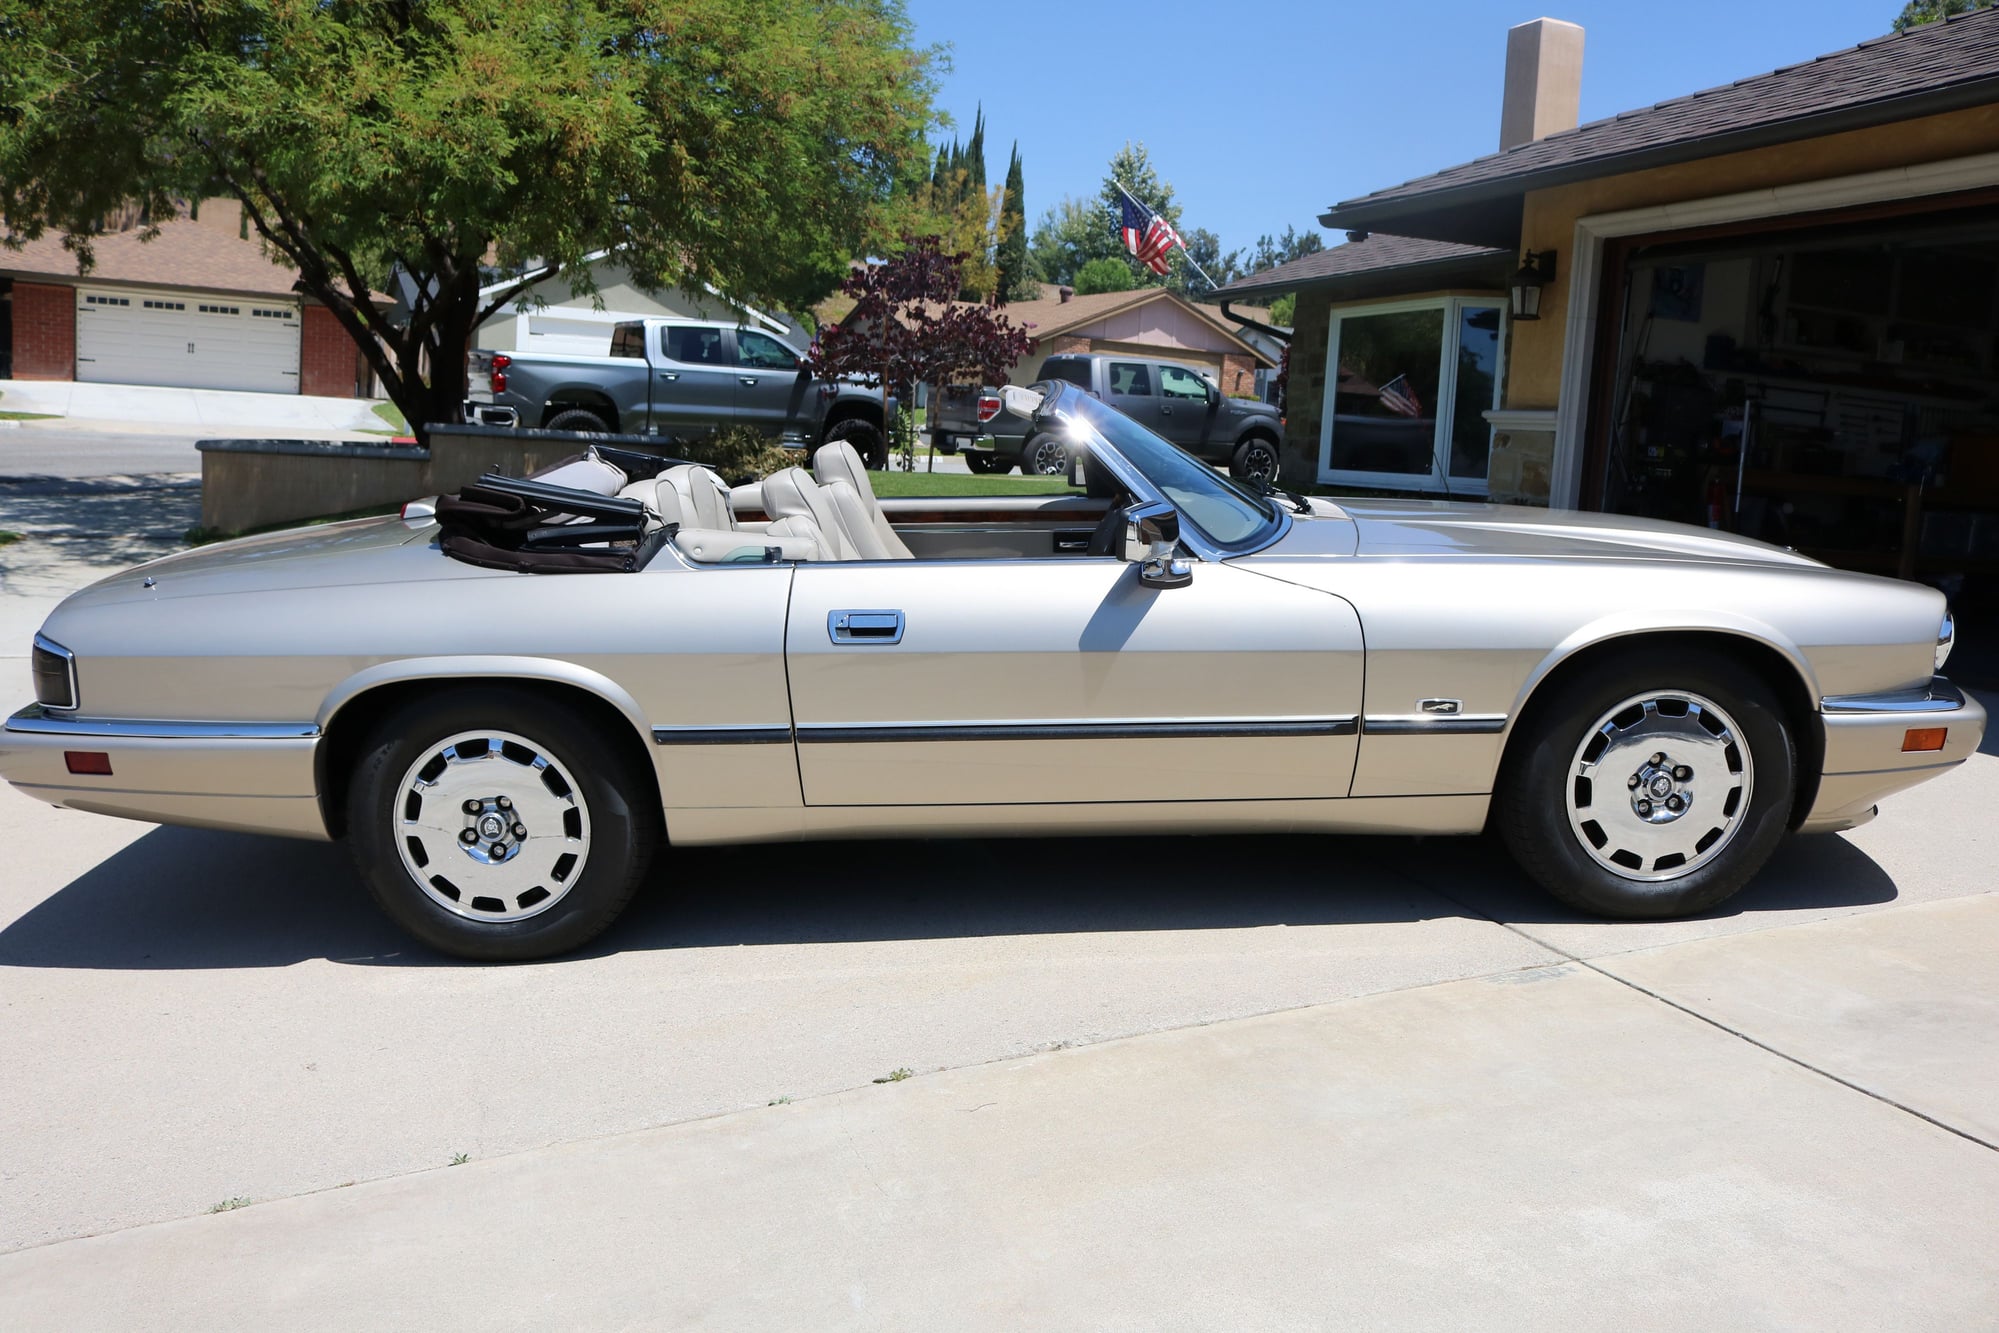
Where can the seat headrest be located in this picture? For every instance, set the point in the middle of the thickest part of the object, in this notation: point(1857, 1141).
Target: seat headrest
point(659, 497)
point(839, 461)
point(704, 493)
point(785, 493)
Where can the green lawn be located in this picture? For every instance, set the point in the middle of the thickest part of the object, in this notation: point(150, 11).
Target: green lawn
point(899, 484)
point(29, 416)
point(392, 414)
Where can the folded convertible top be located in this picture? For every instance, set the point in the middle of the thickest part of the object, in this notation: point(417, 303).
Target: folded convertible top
point(532, 527)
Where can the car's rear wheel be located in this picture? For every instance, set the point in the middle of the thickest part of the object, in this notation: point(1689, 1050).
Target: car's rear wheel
point(1255, 460)
point(1650, 790)
point(576, 418)
point(1044, 456)
point(986, 464)
point(497, 824)
point(865, 437)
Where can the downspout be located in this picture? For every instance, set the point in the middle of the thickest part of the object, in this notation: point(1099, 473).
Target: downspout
point(1282, 335)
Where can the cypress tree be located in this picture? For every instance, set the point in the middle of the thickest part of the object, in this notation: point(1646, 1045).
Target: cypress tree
point(1017, 280)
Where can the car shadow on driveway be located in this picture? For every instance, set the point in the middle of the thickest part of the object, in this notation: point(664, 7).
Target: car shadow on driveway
point(192, 899)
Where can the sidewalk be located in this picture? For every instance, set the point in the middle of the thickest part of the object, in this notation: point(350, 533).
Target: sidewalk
point(1785, 1128)
point(99, 407)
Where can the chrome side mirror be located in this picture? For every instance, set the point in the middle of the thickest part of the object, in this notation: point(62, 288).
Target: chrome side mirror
point(1149, 539)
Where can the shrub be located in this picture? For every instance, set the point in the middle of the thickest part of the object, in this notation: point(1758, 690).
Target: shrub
point(739, 453)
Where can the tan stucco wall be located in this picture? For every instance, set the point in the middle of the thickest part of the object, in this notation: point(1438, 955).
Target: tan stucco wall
point(1548, 218)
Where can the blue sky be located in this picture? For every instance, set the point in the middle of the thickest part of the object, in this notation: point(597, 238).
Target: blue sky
point(1262, 114)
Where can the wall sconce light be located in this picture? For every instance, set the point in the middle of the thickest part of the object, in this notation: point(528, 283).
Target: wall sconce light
point(1537, 270)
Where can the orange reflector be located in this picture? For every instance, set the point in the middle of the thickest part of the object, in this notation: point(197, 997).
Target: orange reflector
point(90, 762)
point(1918, 739)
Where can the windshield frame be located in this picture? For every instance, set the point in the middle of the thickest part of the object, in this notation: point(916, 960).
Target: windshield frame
point(1073, 408)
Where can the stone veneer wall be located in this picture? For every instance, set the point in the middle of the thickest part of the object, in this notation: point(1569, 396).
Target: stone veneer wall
point(44, 331)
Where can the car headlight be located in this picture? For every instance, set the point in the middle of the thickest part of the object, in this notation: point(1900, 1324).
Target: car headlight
point(1946, 638)
point(55, 674)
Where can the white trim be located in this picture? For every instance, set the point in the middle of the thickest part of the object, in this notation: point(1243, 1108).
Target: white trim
point(1452, 309)
point(1585, 265)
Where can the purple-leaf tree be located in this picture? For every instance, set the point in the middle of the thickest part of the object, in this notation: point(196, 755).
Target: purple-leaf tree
point(907, 328)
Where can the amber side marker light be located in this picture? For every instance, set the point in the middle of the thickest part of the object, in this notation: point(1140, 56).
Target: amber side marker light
point(1917, 740)
point(91, 763)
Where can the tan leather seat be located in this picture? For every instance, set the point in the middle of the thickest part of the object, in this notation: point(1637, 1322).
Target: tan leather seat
point(791, 493)
point(795, 538)
point(838, 462)
point(703, 494)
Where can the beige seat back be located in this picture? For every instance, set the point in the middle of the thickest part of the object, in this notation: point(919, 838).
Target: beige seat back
point(791, 493)
point(703, 494)
point(838, 462)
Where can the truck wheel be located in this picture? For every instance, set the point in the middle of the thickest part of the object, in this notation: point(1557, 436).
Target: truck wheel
point(868, 442)
point(984, 464)
point(1044, 456)
point(1255, 460)
point(575, 418)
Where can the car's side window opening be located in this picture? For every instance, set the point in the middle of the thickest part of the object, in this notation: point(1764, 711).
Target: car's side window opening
point(1130, 380)
point(693, 344)
point(1177, 383)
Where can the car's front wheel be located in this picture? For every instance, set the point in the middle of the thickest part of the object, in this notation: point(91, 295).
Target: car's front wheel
point(1650, 790)
point(498, 824)
point(1255, 460)
point(1044, 456)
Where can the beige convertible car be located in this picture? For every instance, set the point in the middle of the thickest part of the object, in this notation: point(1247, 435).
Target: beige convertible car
point(511, 701)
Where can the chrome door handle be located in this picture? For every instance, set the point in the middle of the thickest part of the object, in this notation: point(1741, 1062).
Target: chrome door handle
point(746, 379)
point(668, 375)
point(864, 626)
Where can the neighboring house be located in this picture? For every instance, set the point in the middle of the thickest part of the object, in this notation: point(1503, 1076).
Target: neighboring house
point(200, 305)
point(574, 324)
point(1771, 306)
point(1148, 322)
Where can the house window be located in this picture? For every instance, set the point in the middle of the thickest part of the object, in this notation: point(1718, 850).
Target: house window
point(107, 300)
point(1406, 389)
point(219, 309)
point(166, 305)
point(270, 314)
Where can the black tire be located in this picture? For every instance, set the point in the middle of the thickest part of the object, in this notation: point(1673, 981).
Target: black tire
point(1550, 818)
point(620, 824)
point(985, 464)
point(941, 443)
point(577, 419)
point(1255, 460)
point(1044, 455)
point(867, 439)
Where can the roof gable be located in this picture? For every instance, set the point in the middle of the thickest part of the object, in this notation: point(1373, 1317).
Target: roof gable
point(207, 255)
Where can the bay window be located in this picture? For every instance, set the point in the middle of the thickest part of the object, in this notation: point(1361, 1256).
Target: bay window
point(1407, 386)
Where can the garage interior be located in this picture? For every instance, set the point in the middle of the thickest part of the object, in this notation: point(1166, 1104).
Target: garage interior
point(1834, 389)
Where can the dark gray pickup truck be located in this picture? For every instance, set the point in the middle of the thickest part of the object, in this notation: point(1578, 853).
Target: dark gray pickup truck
point(1175, 400)
point(678, 377)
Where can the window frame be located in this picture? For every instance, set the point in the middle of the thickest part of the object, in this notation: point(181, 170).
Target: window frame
point(1437, 479)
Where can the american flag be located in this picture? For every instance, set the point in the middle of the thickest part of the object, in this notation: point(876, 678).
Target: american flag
point(1149, 237)
point(1399, 398)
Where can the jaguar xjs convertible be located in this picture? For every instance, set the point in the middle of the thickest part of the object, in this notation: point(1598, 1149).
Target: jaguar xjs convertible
point(511, 703)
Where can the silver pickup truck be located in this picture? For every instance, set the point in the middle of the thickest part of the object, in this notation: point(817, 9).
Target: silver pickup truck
point(678, 377)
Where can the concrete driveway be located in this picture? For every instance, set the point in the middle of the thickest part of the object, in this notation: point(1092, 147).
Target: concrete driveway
point(1462, 1104)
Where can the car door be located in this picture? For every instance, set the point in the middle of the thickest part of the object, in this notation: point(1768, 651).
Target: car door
point(1184, 406)
point(1128, 386)
point(1015, 681)
point(770, 388)
point(694, 381)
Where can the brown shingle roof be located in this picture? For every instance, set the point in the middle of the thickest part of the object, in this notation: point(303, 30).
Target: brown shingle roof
point(1051, 317)
point(204, 255)
point(1378, 254)
point(1933, 68)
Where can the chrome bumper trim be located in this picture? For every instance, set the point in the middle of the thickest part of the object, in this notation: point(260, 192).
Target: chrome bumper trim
point(1939, 696)
point(1079, 730)
point(1434, 724)
point(754, 734)
point(35, 720)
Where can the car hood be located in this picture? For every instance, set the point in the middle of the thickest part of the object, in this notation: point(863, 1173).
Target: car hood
point(1435, 528)
point(367, 550)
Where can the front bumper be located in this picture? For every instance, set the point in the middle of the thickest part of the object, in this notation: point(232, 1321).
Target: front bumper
point(254, 777)
point(1864, 755)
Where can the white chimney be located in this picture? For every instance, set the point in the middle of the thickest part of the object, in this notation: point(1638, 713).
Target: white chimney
point(1544, 81)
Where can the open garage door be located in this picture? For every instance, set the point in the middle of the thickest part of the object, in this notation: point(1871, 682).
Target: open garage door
point(133, 336)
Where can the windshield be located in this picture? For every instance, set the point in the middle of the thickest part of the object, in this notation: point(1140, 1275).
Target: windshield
point(1227, 515)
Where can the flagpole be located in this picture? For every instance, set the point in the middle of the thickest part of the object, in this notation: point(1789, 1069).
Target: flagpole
point(1177, 238)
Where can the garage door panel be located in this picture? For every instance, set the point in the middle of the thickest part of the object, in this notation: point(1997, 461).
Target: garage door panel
point(182, 341)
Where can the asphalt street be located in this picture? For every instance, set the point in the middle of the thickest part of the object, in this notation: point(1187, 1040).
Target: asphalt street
point(34, 450)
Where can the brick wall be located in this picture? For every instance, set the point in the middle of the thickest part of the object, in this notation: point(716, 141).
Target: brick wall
point(329, 362)
point(44, 332)
point(1238, 374)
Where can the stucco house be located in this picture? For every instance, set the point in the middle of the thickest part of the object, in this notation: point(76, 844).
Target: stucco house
point(557, 319)
point(1148, 322)
point(1771, 307)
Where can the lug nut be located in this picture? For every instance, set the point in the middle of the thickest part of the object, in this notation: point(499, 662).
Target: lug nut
point(520, 831)
point(1658, 759)
point(468, 837)
point(498, 851)
point(504, 803)
point(1633, 783)
point(1682, 773)
point(472, 807)
point(1644, 807)
point(1675, 804)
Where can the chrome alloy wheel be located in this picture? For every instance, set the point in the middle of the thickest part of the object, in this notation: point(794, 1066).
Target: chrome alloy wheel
point(1659, 786)
point(1050, 457)
point(491, 827)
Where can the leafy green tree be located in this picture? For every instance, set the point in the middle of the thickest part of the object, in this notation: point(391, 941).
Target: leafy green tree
point(1015, 278)
point(1918, 12)
point(1108, 274)
point(1204, 249)
point(1132, 166)
point(752, 144)
point(1269, 252)
point(1069, 235)
point(1284, 310)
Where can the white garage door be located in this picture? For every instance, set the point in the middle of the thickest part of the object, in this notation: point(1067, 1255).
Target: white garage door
point(194, 342)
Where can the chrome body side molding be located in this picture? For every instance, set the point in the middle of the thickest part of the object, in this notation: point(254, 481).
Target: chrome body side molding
point(35, 720)
point(1434, 724)
point(752, 734)
point(1939, 696)
point(1077, 729)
